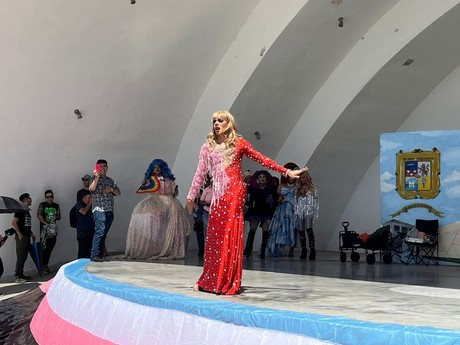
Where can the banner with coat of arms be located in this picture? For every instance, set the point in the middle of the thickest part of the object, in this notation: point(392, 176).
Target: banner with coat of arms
point(420, 179)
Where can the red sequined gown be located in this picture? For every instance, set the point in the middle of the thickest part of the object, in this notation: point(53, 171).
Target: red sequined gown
point(223, 260)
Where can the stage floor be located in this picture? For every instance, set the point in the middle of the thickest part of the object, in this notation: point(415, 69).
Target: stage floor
point(285, 300)
point(355, 299)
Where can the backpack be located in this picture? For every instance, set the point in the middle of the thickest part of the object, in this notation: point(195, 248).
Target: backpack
point(73, 217)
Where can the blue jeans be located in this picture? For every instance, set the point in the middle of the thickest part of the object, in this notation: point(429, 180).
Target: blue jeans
point(102, 223)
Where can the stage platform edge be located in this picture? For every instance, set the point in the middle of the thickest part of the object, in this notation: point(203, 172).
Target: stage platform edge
point(81, 307)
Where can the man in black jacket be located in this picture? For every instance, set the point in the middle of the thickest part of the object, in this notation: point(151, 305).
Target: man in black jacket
point(22, 224)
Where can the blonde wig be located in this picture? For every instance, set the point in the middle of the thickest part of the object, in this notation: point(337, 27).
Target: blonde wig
point(308, 185)
point(231, 132)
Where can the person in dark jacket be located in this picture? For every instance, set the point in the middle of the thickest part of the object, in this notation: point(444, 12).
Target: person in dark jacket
point(262, 198)
point(85, 225)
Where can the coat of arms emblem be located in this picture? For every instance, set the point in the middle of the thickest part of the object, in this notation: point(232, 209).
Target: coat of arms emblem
point(417, 174)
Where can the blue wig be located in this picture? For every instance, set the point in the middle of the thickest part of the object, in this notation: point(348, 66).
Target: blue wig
point(165, 171)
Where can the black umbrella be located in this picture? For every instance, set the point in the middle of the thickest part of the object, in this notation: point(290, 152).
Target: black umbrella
point(10, 205)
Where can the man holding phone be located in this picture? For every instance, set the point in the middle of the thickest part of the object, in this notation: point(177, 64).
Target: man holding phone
point(103, 189)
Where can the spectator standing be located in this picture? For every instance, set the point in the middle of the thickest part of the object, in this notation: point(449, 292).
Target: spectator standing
point(283, 223)
point(306, 211)
point(85, 225)
point(86, 182)
point(22, 224)
point(261, 206)
point(48, 213)
point(198, 226)
point(247, 175)
point(205, 201)
point(103, 189)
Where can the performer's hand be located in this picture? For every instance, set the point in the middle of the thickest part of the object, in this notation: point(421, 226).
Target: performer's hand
point(33, 237)
point(296, 173)
point(190, 206)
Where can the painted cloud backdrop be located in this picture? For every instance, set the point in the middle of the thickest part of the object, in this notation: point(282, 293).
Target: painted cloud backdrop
point(448, 200)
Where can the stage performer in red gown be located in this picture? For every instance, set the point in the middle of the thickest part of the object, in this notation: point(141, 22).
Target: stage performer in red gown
point(221, 156)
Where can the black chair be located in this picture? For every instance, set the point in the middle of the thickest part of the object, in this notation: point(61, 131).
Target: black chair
point(424, 249)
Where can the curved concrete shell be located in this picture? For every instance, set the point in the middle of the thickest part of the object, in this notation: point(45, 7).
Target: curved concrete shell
point(147, 77)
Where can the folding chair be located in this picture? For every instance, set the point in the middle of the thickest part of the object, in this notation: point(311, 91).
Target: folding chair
point(424, 249)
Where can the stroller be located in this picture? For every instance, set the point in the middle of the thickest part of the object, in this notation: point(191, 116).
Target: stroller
point(379, 241)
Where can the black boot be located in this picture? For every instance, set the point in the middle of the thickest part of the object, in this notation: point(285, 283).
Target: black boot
point(311, 244)
point(303, 244)
point(265, 236)
point(249, 243)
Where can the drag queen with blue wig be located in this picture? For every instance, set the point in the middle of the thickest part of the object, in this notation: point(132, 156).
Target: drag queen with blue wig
point(159, 226)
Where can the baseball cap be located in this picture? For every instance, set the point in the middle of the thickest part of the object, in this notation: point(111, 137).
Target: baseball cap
point(86, 177)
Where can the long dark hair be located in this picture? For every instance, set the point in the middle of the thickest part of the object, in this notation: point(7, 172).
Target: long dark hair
point(270, 181)
point(290, 166)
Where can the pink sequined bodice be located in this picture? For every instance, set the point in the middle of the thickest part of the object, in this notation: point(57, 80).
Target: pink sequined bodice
point(221, 167)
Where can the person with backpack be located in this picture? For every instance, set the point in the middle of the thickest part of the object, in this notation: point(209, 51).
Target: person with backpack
point(86, 180)
point(85, 225)
point(73, 214)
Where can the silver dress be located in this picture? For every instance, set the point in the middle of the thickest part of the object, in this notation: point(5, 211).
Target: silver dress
point(306, 209)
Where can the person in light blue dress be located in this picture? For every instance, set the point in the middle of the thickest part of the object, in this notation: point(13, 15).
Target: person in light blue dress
point(282, 226)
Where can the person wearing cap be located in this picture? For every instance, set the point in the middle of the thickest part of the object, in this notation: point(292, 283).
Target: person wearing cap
point(86, 179)
point(85, 225)
point(22, 224)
